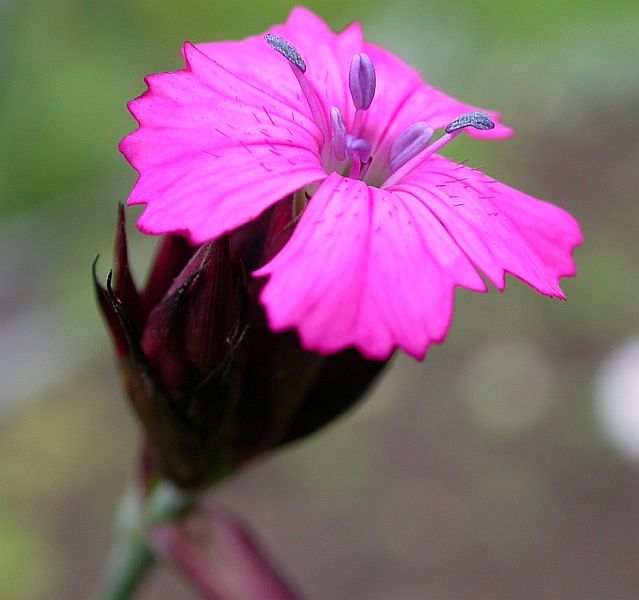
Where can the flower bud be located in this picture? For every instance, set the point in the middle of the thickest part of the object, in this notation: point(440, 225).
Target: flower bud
point(212, 386)
point(177, 349)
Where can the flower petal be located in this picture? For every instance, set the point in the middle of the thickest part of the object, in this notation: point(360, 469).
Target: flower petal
point(327, 54)
point(407, 99)
point(213, 151)
point(366, 268)
point(499, 228)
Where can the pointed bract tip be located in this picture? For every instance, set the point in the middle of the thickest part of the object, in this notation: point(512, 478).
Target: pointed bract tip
point(287, 50)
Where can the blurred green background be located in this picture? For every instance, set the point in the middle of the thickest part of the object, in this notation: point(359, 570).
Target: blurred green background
point(492, 470)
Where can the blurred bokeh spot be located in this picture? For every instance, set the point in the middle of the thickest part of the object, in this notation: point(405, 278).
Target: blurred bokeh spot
point(617, 397)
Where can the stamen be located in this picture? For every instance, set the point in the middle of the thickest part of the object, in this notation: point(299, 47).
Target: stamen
point(287, 50)
point(409, 143)
point(338, 131)
point(298, 66)
point(476, 119)
point(361, 81)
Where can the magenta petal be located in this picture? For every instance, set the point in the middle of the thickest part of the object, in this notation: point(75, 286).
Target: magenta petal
point(213, 151)
point(366, 268)
point(327, 54)
point(500, 229)
point(407, 99)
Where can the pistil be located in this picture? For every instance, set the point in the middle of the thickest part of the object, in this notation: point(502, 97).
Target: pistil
point(359, 151)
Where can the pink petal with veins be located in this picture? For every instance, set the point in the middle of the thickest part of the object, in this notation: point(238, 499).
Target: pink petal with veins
point(213, 151)
point(404, 98)
point(327, 54)
point(501, 230)
point(366, 268)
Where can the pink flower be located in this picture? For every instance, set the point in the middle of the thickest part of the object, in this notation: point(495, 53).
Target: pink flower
point(387, 227)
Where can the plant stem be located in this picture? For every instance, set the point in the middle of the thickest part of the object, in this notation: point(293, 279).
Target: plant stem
point(131, 559)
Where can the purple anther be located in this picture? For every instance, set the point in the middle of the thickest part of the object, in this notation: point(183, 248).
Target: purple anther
point(358, 149)
point(361, 81)
point(477, 119)
point(409, 143)
point(287, 50)
point(338, 134)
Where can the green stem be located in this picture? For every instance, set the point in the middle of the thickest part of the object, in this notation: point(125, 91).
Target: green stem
point(131, 559)
point(122, 582)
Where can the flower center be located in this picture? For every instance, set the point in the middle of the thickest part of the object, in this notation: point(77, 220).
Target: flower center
point(343, 151)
